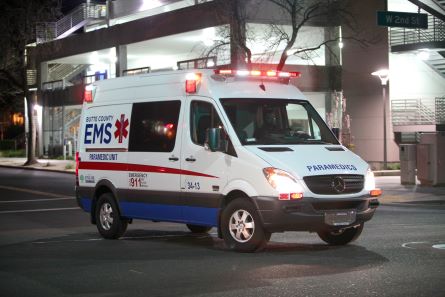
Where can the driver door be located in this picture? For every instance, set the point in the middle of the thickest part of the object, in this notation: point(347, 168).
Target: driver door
point(204, 173)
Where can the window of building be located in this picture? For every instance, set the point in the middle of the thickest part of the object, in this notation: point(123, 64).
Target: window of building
point(153, 126)
point(203, 116)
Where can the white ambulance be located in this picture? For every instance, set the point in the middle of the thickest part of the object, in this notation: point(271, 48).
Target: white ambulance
point(242, 151)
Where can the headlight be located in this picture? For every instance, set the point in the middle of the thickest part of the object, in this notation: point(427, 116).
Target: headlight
point(370, 184)
point(286, 185)
point(369, 180)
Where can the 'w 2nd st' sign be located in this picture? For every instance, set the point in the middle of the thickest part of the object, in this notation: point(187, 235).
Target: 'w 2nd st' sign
point(402, 19)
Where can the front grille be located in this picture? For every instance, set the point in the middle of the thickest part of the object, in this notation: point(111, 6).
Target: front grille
point(325, 184)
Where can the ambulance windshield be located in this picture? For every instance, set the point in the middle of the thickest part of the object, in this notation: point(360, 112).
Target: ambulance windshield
point(277, 121)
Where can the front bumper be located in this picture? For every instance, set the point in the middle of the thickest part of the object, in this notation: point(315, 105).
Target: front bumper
point(308, 214)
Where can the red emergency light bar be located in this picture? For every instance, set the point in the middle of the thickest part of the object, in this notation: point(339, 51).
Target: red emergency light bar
point(258, 73)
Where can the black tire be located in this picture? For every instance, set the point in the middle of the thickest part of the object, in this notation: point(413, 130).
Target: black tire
point(341, 237)
point(108, 221)
point(198, 228)
point(237, 236)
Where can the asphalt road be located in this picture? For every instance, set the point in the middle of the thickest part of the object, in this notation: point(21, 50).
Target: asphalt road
point(48, 248)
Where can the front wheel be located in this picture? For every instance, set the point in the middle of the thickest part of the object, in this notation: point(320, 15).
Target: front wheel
point(108, 221)
point(342, 236)
point(241, 227)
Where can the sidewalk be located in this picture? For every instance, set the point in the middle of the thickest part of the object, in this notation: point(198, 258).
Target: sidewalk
point(394, 192)
point(66, 166)
point(387, 180)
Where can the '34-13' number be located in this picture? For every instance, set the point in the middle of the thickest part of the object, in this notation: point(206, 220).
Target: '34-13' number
point(193, 186)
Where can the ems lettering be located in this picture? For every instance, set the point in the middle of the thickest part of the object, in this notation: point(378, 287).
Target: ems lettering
point(97, 133)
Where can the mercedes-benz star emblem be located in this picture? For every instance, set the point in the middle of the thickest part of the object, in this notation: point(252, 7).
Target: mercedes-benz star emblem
point(338, 184)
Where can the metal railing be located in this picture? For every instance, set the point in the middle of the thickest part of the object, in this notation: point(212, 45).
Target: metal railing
point(53, 30)
point(89, 79)
point(53, 85)
point(65, 71)
point(418, 111)
point(31, 77)
point(136, 71)
point(440, 110)
point(200, 63)
point(434, 33)
point(412, 112)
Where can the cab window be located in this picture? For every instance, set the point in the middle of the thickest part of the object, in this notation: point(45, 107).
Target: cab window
point(276, 121)
point(202, 117)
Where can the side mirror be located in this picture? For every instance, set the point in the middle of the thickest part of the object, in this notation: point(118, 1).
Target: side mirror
point(216, 140)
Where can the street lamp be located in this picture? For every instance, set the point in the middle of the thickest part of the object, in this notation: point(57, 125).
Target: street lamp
point(383, 74)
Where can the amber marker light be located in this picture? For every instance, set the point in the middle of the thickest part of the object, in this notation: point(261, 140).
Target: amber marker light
point(375, 193)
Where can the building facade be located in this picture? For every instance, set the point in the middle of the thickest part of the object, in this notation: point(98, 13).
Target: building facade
point(104, 41)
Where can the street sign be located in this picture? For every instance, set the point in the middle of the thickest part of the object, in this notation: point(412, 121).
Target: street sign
point(402, 19)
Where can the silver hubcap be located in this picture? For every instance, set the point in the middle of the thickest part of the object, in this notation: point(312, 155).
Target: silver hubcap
point(241, 225)
point(106, 216)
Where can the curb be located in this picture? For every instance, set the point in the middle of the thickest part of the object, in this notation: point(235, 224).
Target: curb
point(34, 168)
point(387, 173)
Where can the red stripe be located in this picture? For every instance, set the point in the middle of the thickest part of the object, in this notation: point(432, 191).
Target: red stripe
point(138, 168)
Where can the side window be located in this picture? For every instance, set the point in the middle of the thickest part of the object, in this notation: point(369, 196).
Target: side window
point(153, 126)
point(202, 117)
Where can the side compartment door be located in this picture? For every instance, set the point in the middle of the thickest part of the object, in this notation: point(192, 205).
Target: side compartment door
point(153, 176)
point(204, 173)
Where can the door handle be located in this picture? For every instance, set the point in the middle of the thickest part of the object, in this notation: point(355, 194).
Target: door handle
point(190, 159)
point(173, 158)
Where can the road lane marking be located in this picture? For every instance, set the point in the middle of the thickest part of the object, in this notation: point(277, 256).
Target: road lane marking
point(129, 237)
point(38, 210)
point(34, 192)
point(37, 200)
point(407, 244)
point(72, 240)
point(440, 246)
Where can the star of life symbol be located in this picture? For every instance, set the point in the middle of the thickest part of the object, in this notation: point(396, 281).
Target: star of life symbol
point(121, 128)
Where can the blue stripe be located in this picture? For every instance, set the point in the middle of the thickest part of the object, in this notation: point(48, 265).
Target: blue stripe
point(170, 213)
point(85, 203)
point(201, 215)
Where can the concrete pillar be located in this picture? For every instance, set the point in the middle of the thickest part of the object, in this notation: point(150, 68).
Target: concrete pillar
point(364, 91)
point(43, 74)
point(236, 10)
point(333, 56)
point(121, 62)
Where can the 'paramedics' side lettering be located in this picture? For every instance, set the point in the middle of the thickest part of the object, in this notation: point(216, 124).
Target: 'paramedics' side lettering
point(324, 167)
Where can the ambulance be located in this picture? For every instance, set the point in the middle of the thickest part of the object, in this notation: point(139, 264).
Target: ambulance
point(239, 150)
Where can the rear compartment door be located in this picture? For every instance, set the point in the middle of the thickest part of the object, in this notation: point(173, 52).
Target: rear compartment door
point(103, 145)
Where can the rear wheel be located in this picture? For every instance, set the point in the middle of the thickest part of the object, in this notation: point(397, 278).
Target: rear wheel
point(198, 229)
point(342, 236)
point(241, 227)
point(108, 221)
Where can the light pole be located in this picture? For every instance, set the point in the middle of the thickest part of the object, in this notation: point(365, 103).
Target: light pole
point(383, 74)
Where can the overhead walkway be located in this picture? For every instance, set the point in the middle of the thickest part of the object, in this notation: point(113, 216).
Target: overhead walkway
point(426, 114)
point(84, 14)
point(432, 38)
